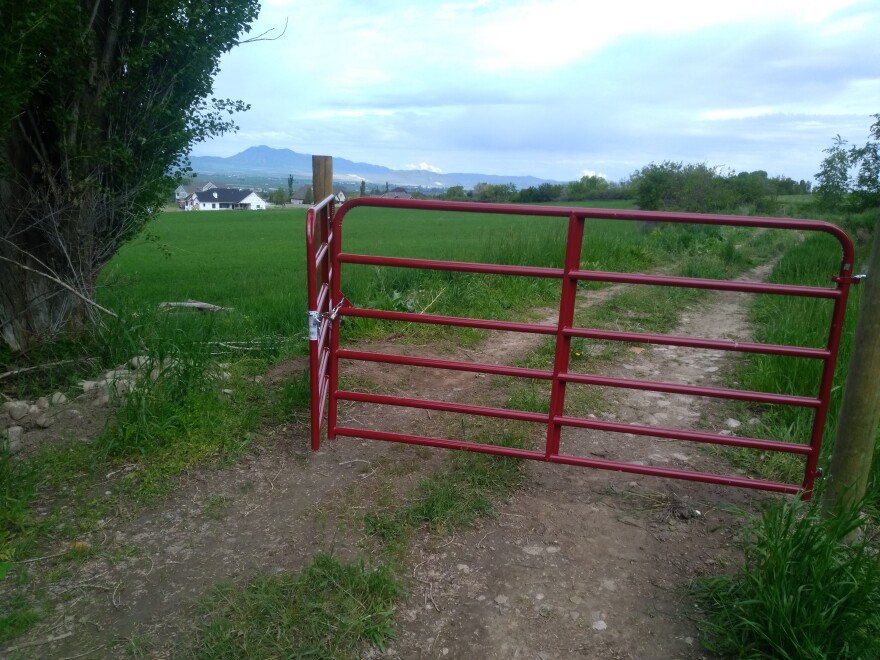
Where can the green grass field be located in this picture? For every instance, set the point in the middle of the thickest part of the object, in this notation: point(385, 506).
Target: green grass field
point(254, 264)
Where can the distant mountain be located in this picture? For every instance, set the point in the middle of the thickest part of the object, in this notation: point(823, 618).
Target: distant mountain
point(267, 161)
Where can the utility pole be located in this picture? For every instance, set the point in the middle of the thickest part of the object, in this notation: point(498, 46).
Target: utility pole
point(860, 409)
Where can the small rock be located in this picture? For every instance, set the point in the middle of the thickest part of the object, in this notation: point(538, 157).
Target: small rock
point(753, 422)
point(501, 600)
point(732, 423)
point(73, 412)
point(577, 600)
point(725, 432)
point(16, 409)
point(114, 374)
point(42, 403)
point(464, 568)
point(33, 410)
point(539, 596)
point(139, 362)
point(689, 641)
point(119, 386)
point(533, 550)
point(575, 615)
point(102, 400)
point(44, 421)
point(13, 438)
point(599, 625)
point(90, 385)
point(553, 549)
point(57, 399)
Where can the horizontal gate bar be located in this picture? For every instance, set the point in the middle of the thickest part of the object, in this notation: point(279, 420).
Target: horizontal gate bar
point(681, 434)
point(479, 367)
point(649, 470)
point(485, 324)
point(444, 406)
point(698, 342)
point(672, 473)
point(460, 266)
point(692, 390)
point(702, 283)
point(439, 442)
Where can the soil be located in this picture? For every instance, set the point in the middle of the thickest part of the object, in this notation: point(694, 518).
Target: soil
point(579, 563)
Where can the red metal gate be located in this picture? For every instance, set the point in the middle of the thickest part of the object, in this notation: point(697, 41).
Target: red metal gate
point(327, 304)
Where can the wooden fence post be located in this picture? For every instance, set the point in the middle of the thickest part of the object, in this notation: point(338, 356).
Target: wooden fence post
point(322, 177)
point(860, 409)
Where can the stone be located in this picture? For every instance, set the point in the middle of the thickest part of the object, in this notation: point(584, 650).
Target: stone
point(115, 374)
point(732, 423)
point(753, 422)
point(44, 421)
point(101, 400)
point(42, 403)
point(16, 409)
point(33, 410)
point(119, 386)
point(14, 435)
point(501, 600)
point(139, 362)
point(57, 399)
point(90, 385)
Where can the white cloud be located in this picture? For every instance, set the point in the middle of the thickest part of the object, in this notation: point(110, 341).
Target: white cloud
point(594, 173)
point(424, 167)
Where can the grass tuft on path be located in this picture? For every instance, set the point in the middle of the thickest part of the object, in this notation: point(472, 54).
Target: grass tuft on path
point(329, 610)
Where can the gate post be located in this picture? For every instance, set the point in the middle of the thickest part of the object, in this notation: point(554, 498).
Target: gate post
point(322, 177)
point(860, 409)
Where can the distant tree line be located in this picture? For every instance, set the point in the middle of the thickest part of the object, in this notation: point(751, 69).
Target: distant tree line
point(667, 186)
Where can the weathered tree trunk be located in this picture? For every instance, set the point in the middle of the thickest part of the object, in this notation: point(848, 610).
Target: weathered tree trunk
point(49, 260)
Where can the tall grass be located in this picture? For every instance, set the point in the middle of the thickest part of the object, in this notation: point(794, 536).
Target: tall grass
point(802, 592)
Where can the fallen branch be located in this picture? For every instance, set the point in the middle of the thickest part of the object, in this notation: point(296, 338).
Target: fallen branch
point(195, 304)
point(48, 365)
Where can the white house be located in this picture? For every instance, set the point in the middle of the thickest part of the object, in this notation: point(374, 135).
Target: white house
point(224, 199)
point(184, 191)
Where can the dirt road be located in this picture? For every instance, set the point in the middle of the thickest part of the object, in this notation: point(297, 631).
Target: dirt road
point(579, 563)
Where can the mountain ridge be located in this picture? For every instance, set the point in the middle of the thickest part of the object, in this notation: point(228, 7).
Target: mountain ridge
point(269, 161)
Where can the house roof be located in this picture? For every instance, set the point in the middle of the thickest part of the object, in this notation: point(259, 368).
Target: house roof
point(223, 195)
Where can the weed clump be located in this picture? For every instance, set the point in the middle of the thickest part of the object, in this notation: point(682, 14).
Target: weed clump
point(803, 591)
point(329, 610)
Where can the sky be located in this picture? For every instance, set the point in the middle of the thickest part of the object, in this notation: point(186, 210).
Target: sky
point(558, 88)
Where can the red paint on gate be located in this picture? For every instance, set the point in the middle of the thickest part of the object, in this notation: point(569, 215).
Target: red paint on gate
point(327, 304)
